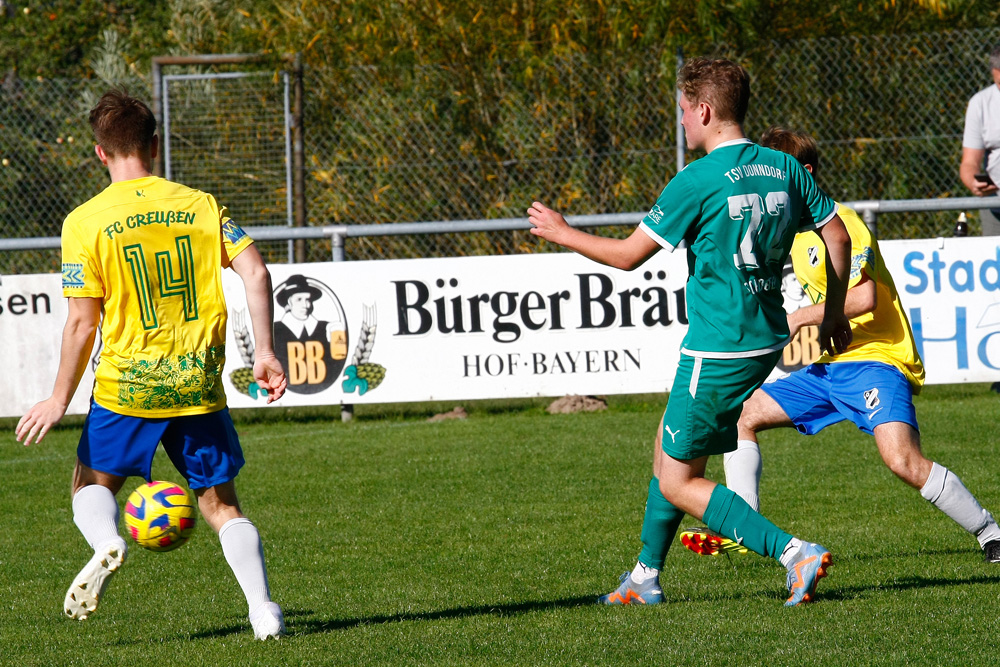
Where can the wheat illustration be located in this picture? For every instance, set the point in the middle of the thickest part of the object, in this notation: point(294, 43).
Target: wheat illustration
point(242, 378)
point(243, 340)
point(366, 339)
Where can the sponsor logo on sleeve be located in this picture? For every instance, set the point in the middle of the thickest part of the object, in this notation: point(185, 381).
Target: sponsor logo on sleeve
point(72, 276)
point(234, 233)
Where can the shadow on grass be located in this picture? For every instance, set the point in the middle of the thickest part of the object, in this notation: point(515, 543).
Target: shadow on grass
point(320, 625)
point(306, 625)
point(312, 626)
point(902, 584)
point(918, 553)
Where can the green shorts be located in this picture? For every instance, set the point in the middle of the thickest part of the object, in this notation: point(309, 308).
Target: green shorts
point(706, 400)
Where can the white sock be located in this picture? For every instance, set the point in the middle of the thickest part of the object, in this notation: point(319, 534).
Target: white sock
point(245, 554)
point(95, 513)
point(641, 574)
point(791, 554)
point(945, 490)
point(743, 468)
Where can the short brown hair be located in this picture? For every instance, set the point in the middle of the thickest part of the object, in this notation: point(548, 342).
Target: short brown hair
point(800, 145)
point(723, 84)
point(122, 124)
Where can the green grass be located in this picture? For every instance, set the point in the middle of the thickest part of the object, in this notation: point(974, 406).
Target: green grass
point(391, 540)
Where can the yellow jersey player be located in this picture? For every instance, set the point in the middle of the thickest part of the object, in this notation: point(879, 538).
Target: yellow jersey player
point(143, 260)
point(871, 383)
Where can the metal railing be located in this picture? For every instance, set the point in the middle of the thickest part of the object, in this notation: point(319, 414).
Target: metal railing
point(338, 234)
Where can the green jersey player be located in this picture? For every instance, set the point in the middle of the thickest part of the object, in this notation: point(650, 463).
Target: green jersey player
point(737, 209)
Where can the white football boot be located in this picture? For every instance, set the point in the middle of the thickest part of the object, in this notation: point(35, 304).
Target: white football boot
point(267, 621)
point(86, 590)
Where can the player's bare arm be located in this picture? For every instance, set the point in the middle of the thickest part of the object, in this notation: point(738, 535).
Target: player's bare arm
point(972, 164)
point(77, 342)
point(835, 329)
point(267, 370)
point(861, 299)
point(624, 254)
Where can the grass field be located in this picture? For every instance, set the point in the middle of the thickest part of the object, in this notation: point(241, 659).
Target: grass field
point(391, 540)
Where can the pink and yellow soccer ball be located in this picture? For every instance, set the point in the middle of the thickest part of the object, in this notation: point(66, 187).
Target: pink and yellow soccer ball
point(160, 516)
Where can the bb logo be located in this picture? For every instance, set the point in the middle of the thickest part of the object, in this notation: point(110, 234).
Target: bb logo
point(801, 350)
point(310, 334)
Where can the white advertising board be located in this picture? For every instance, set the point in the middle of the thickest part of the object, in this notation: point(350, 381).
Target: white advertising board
point(951, 291)
point(470, 328)
point(505, 327)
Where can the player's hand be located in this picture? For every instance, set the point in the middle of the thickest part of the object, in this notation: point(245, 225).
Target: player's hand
point(33, 426)
point(547, 223)
point(270, 376)
point(835, 334)
point(982, 188)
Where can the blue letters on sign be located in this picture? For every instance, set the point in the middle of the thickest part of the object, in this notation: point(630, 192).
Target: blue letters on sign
point(961, 347)
point(961, 274)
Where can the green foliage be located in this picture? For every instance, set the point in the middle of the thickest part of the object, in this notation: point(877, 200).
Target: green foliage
point(47, 163)
point(390, 540)
point(421, 110)
point(54, 38)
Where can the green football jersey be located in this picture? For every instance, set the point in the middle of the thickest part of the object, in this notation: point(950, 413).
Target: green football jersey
point(738, 209)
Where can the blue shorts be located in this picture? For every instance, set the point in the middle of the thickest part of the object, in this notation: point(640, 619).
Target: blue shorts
point(867, 393)
point(706, 401)
point(203, 448)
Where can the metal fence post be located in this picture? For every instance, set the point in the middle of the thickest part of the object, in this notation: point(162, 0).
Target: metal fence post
point(158, 114)
point(871, 220)
point(299, 154)
point(337, 236)
point(680, 114)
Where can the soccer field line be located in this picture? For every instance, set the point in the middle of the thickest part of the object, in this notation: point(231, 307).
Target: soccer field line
point(33, 459)
point(328, 431)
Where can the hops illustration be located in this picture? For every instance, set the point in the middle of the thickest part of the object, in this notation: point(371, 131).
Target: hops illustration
point(242, 378)
point(372, 373)
point(363, 375)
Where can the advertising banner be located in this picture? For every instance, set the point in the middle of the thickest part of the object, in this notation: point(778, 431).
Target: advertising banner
point(467, 328)
point(951, 291)
point(506, 327)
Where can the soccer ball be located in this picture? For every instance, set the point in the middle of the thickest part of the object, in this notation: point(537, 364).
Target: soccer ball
point(159, 516)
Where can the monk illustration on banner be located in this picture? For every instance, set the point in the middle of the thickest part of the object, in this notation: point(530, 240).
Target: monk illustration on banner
point(310, 334)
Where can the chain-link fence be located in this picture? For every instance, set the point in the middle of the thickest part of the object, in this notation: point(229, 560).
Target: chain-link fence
point(243, 156)
point(590, 135)
point(888, 111)
point(597, 135)
point(47, 162)
point(435, 144)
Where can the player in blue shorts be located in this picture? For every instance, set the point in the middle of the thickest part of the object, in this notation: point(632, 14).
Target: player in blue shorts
point(143, 261)
point(737, 210)
point(871, 383)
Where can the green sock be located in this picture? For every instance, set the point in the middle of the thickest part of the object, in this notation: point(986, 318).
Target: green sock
point(729, 515)
point(658, 527)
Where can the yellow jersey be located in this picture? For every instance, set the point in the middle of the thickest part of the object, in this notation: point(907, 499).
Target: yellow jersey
point(882, 335)
point(153, 251)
